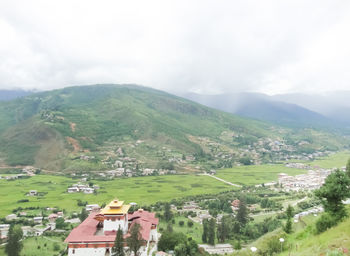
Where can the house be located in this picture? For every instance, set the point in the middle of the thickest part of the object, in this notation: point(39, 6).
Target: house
point(28, 231)
point(91, 207)
point(96, 234)
point(235, 204)
point(52, 218)
point(38, 220)
point(33, 193)
point(39, 230)
point(4, 229)
point(11, 217)
point(73, 190)
point(88, 190)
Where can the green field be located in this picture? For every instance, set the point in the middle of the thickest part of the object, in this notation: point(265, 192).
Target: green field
point(255, 174)
point(195, 231)
point(40, 246)
point(336, 160)
point(142, 190)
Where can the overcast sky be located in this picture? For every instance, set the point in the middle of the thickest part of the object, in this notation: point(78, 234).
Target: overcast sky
point(198, 46)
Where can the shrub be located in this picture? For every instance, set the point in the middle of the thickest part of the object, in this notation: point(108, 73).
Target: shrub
point(56, 247)
point(325, 222)
point(190, 223)
point(181, 223)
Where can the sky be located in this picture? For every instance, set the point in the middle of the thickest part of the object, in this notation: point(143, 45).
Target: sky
point(203, 46)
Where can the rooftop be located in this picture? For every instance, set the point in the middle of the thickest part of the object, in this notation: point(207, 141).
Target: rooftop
point(115, 207)
point(88, 230)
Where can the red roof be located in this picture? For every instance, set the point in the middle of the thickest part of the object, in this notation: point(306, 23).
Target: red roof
point(145, 228)
point(145, 215)
point(85, 232)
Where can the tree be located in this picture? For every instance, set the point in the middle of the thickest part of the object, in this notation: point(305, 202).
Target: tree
point(242, 213)
point(334, 190)
point(205, 231)
point(288, 227)
point(60, 224)
point(118, 247)
point(83, 215)
point(211, 231)
point(186, 248)
point(169, 240)
point(348, 168)
point(169, 228)
point(14, 244)
point(167, 212)
point(223, 230)
point(135, 240)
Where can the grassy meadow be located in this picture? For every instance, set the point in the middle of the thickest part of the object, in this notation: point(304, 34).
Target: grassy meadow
point(142, 190)
point(255, 174)
point(41, 246)
point(336, 160)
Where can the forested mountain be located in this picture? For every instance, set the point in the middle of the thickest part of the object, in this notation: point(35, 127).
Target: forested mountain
point(54, 129)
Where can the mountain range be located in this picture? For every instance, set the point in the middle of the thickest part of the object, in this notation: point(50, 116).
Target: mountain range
point(57, 129)
point(299, 110)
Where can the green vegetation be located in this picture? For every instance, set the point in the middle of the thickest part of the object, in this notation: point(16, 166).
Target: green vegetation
point(52, 129)
point(193, 231)
point(337, 160)
point(306, 242)
point(143, 190)
point(255, 174)
point(41, 246)
point(14, 244)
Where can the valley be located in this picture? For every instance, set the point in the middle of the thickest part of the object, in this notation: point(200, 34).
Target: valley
point(69, 150)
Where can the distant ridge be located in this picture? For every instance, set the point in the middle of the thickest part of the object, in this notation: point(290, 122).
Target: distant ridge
point(265, 108)
point(6, 95)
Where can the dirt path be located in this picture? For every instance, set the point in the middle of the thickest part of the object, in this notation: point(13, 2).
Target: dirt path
point(222, 180)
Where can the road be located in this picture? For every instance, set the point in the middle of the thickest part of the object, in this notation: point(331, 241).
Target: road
point(224, 181)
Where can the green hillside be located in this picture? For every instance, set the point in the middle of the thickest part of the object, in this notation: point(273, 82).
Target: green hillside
point(52, 129)
point(335, 239)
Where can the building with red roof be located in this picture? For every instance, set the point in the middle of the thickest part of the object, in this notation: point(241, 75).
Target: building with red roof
point(96, 234)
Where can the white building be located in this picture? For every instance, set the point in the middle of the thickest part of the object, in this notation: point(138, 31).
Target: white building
point(96, 235)
point(4, 230)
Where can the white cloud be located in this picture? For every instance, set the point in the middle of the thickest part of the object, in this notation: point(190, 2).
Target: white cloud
point(204, 46)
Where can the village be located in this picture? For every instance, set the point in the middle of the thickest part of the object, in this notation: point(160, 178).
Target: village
point(314, 178)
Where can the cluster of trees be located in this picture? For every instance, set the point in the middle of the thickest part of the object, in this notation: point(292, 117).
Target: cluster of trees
point(332, 193)
point(177, 242)
point(218, 205)
point(237, 227)
point(209, 227)
point(267, 203)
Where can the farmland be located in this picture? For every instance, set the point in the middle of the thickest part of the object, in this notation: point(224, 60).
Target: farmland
point(255, 174)
point(336, 160)
point(142, 190)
